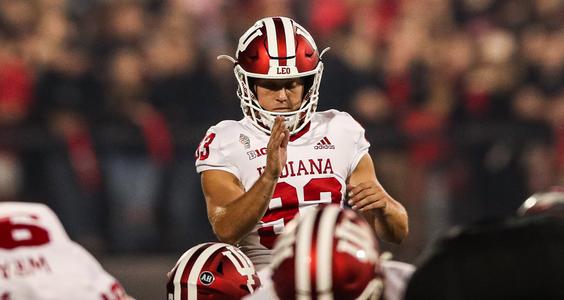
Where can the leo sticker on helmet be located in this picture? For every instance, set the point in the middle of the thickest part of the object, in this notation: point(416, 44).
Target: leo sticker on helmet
point(282, 70)
point(206, 278)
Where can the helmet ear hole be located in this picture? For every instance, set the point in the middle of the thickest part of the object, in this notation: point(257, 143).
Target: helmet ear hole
point(220, 268)
point(244, 287)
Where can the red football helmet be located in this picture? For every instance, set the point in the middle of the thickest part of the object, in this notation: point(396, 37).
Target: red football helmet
point(549, 202)
point(328, 253)
point(212, 271)
point(277, 48)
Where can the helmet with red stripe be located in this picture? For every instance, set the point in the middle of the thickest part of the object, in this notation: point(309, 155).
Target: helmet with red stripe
point(329, 253)
point(277, 48)
point(212, 271)
point(549, 202)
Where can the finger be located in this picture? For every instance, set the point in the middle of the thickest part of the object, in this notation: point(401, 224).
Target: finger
point(351, 190)
point(279, 124)
point(374, 205)
point(355, 189)
point(350, 186)
point(281, 130)
point(279, 121)
point(278, 139)
point(275, 137)
point(275, 128)
point(363, 186)
point(365, 193)
point(371, 202)
point(285, 138)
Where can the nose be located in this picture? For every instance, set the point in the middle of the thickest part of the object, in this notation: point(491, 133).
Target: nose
point(282, 95)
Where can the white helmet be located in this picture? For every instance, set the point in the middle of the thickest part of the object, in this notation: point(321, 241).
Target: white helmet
point(277, 48)
point(212, 271)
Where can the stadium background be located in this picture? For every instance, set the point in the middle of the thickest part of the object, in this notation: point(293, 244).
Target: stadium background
point(102, 104)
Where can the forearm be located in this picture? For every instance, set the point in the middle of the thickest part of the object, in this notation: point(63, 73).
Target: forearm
point(236, 219)
point(391, 223)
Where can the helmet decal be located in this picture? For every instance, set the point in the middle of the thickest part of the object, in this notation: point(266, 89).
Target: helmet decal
point(206, 278)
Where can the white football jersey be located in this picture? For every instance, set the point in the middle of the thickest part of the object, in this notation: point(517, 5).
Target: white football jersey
point(320, 159)
point(38, 260)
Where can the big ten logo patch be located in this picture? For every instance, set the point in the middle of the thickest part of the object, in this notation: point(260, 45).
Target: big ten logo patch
point(256, 153)
point(206, 278)
point(245, 141)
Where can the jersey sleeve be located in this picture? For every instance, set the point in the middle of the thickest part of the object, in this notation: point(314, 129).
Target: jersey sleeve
point(360, 144)
point(212, 154)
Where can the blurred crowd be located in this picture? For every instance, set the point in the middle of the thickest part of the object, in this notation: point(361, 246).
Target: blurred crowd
point(102, 104)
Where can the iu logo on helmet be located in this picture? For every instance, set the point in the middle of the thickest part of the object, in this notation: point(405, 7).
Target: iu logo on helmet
point(206, 278)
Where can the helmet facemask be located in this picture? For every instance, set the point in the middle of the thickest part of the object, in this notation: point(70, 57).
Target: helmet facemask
point(264, 119)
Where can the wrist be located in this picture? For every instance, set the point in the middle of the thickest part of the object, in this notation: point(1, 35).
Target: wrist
point(270, 176)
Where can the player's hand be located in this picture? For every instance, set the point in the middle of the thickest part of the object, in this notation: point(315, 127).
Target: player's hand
point(367, 196)
point(277, 148)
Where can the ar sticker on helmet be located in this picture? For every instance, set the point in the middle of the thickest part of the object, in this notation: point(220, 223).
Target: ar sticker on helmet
point(206, 278)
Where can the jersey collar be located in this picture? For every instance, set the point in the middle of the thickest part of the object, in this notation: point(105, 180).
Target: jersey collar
point(302, 131)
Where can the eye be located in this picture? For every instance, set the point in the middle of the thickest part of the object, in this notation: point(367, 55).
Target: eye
point(293, 84)
point(271, 86)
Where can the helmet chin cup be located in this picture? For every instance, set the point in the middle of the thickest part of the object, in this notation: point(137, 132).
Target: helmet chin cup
point(267, 120)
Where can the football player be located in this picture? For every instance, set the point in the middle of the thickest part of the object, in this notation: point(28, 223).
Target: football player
point(283, 157)
point(212, 271)
point(39, 261)
point(331, 253)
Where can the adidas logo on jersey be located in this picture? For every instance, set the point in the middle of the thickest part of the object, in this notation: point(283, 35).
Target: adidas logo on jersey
point(324, 144)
